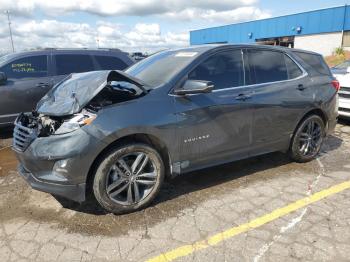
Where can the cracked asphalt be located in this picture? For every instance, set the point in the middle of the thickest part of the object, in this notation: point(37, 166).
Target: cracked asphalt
point(35, 226)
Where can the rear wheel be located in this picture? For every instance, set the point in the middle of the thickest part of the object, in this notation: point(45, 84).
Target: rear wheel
point(307, 139)
point(128, 178)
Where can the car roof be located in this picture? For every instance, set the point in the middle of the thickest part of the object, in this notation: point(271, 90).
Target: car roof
point(67, 50)
point(207, 47)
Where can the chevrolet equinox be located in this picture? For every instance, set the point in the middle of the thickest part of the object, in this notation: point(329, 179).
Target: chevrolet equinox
point(118, 134)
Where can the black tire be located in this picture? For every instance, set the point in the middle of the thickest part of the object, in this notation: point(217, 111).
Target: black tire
point(111, 172)
point(298, 150)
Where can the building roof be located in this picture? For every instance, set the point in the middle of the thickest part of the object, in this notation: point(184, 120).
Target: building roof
point(335, 19)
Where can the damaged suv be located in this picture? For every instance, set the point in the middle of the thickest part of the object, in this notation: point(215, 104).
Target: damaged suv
point(119, 134)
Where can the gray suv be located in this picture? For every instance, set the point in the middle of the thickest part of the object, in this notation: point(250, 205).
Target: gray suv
point(119, 134)
point(26, 77)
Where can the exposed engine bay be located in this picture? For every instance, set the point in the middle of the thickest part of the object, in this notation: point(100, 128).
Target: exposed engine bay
point(44, 126)
point(112, 92)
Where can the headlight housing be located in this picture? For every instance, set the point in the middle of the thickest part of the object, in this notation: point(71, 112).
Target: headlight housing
point(74, 123)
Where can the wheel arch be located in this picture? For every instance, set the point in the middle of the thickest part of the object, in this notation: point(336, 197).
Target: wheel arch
point(144, 138)
point(315, 111)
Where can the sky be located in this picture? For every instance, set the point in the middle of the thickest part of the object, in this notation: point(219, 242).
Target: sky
point(131, 25)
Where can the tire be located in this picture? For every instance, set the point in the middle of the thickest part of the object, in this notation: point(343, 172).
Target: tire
point(307, 139)
point(118, 188)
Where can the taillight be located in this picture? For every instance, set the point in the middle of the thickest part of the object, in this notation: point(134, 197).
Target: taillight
point(336, 84)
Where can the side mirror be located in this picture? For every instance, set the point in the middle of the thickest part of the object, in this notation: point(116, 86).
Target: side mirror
point(3, 78)
point(194, 87)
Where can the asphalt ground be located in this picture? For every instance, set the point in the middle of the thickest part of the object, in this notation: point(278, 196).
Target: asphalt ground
point(260, 209)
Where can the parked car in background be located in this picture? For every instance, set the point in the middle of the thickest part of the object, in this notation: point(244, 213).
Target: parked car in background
point(138, 56)
point(342, 73)
point(174, 112)
point(26, 77)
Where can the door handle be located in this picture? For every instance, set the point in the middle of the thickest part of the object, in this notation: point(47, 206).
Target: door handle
point(42, 85)
point(243, 97)
point(301, 87)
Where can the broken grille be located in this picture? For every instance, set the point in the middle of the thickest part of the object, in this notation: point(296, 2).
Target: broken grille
point(22, 136)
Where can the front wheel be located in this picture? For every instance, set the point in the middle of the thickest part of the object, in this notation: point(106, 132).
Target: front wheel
point(307, 139)
point(128, 178)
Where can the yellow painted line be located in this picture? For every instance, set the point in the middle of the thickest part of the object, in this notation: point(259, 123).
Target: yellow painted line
point(234, 231)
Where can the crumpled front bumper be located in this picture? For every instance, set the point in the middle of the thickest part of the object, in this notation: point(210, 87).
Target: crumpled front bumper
point(73, 192)
point(59, 164)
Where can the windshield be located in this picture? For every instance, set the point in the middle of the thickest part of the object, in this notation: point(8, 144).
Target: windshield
point(161, 67)
point(343, 65)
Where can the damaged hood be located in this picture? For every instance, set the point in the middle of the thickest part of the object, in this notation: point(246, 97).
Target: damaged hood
point(72, 94)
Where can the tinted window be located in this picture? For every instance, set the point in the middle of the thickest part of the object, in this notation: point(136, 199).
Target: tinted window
point(66, 64)
point(110, 63)
point(32, 66)
point(267, 66)
point(223, 69)
point(293, 70)
point(315, 63)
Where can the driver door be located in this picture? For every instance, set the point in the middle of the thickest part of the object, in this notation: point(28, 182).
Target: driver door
point(215, 127)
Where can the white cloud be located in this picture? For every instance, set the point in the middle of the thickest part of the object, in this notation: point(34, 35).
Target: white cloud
point(229, 16)
point(30, 32)
point(119, 7)
point(52, 33)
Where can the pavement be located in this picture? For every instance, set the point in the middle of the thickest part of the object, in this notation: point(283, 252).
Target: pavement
point(260, 209)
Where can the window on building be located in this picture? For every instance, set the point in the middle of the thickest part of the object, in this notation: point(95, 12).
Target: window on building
point(267, 66)
point(27, 67)
point(224, 70)
point(110, 63)
point(292, 69)
point(66, 64)
point(346, 39)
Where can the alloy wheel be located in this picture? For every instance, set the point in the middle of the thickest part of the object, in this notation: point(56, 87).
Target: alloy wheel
point(310, 138)
point(131, 179)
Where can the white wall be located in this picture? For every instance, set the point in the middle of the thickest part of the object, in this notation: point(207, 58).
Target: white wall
point(320, 43)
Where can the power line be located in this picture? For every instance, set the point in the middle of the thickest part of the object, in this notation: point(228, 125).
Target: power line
point(9, 22)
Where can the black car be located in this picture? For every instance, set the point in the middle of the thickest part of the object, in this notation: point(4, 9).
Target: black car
point(119, 134)
point(26, 77)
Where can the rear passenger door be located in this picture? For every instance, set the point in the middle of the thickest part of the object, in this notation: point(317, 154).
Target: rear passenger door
point(67, 63)
point(278, 98)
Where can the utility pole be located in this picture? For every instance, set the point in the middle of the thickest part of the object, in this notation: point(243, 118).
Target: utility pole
point(9, 22)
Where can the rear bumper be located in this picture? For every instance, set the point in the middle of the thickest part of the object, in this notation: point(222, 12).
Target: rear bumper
point(344, 107)
point(73, 192)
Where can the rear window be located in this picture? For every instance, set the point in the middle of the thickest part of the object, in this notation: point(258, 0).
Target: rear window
point(66, 64)
point(267, 66)
point(315, 63)
point(110, 63)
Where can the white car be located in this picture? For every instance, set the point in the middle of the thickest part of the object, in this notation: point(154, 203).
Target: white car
point(342, 73)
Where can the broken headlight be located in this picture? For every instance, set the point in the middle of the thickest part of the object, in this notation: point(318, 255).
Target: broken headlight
point(74, 123)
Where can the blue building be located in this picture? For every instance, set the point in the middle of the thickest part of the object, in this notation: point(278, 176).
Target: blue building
point(321, 31)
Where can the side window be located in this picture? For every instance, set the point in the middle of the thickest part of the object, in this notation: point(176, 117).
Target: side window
point(267, 66)
point(66, 64)
point(224, 70)
point(27, 67)
point(110, 63)
point(292, 68)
